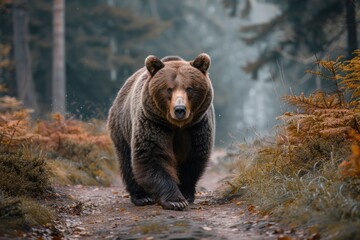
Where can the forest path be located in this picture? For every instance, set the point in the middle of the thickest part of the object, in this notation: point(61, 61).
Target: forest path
point(107, 213)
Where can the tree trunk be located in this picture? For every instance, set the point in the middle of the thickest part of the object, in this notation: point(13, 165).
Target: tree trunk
point(234, 4)
point(113, 49)
point(23, 72)
point(58, 67)
point(351, 26)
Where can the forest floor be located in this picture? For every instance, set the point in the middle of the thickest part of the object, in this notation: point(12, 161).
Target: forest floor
point(89, 212)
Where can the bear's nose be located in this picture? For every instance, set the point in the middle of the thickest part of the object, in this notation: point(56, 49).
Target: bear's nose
point(180, 111)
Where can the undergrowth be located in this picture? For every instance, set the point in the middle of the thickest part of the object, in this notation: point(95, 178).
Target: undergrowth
point(79, 148)
point(36, 156)
point(309, 175)
point(23, 174)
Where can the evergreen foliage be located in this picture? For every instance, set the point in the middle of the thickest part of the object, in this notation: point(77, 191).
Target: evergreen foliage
point(90, 32)
point(99, 39)
point(302, 29)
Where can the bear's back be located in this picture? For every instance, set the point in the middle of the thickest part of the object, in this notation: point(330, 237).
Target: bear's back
point(123, 109)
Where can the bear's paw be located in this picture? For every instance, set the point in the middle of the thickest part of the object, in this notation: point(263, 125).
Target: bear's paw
point(178, 204)
point(142, 200)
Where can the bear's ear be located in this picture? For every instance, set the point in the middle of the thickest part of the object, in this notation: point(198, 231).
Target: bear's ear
point(202, 62)
point(153, 64)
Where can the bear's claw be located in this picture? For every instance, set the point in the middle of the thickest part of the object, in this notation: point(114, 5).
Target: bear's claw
point(179, 206)
point(142, 201)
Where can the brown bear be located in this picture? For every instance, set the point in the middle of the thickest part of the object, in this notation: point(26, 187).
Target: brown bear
point(162, 126)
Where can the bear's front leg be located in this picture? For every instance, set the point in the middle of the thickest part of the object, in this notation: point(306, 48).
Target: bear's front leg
point(190, 171)
point(154, 164)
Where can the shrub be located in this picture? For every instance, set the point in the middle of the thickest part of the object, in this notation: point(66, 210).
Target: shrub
point(23, 174)
point(19, 214)
point(32, 158)
point(313, 164)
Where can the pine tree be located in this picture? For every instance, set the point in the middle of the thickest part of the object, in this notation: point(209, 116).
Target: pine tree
point(91, 34)
point(303, 29)
point(90, 27)
point(22, 59)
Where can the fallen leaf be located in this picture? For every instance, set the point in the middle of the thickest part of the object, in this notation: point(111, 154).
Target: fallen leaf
point(292, 230)
point(79, 229)
point(252, 209)
point(315, 236)
point(207, 228)
point(282, 237)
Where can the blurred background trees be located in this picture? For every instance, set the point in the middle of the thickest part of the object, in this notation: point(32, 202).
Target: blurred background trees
point(99, 39)
point(301, 32)
point(272, 41)
point(22, 58)
point(58, 82)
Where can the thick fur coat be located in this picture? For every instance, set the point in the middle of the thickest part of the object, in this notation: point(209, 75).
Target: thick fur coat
point(162, 126)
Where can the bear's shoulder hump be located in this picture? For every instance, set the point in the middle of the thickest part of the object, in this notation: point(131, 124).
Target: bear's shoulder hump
point(171, 58)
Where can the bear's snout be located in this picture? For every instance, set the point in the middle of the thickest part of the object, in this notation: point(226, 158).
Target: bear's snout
point(180, 111)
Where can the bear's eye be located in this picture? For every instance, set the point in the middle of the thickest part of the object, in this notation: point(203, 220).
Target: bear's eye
point(169, 90)
point(189, 90)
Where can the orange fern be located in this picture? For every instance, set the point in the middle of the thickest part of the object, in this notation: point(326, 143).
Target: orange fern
point(351, 166)
point(325, 116)
point(59, 130)
point(350, 80)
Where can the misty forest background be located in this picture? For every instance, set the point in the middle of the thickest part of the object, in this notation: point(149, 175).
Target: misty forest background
point(62, 63)
point(259, 52)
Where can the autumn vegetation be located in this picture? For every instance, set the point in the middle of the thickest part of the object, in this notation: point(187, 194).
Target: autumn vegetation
point(308, 176)
point(35, 156)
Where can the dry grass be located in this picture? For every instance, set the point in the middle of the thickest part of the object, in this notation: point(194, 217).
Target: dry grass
point(18, 214)
point(309, 175)
point(302, 186)
point(83, 149)
point(34, 157)
point(24, 178)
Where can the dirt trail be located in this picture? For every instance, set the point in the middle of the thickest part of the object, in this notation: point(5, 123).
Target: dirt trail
point(107, 213)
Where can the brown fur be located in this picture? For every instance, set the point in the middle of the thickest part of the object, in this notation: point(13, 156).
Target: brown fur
point(162, 125)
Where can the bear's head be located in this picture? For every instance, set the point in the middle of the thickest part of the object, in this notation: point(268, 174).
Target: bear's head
point(181, 90)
